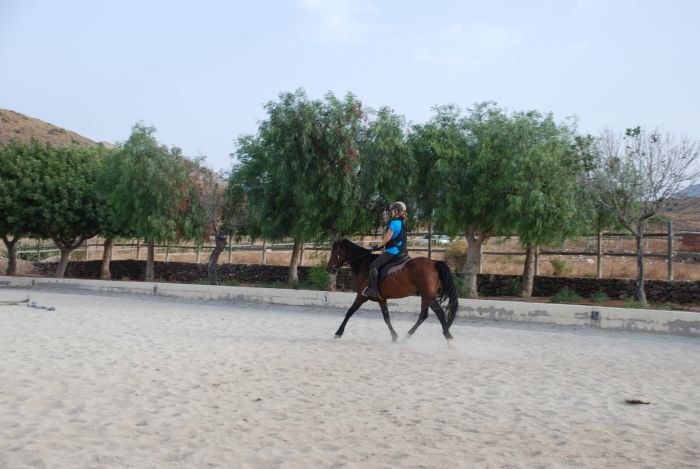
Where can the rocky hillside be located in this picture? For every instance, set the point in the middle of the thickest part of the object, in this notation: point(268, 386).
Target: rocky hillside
point(14, 125)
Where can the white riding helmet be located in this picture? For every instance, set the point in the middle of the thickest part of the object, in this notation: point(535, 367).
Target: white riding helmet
point(400, 206)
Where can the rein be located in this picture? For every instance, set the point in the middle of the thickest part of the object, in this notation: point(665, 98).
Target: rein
point(348, 261)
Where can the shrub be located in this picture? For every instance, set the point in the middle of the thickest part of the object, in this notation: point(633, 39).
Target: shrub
point(560, 267)
point(566, 295)
point(516, 285)
point(318, 277)
point(463, 289)
point(600, 297)
point(456, 255)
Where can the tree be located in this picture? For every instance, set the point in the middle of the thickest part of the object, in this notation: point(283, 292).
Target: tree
point(299, 172)
point(634, 176)
point(428, 143)
point(219, 215)
point(69, 204)
point(474, 162)
point(111, 226)
point(544, 206)
point(153, 193)
point(20, 173)
point(386, 170)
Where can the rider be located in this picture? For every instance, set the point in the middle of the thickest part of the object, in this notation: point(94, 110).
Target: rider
point(394, 242)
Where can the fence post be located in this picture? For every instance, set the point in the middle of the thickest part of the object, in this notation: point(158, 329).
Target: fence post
point(199, 251)
point(230, 248)
point(670, 250)
point(301, 255)
point(38, 249)
point(87, 251)
point(167, 251)
point(481, 258)
point(430, 241)
point(537, 261)
point(264, 252)
point(138, 248)
point(600, 254)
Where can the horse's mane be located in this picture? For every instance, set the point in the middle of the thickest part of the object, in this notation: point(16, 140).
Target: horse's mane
point(358, 254)
point(354, 249)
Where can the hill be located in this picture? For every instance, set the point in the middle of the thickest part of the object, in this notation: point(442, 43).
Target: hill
point(16, 126)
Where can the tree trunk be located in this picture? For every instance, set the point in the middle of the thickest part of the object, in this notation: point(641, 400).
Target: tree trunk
point(150, 268)
point(471, 266)
point(220, 245)
point(63, 262)
point(528, 272)
point(293, 274)
point(640, 295)
point(105, 273)
point(66, 248)
point(11, 255)
point(332, 281)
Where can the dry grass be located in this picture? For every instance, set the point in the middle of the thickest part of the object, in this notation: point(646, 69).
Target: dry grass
point(16, 126)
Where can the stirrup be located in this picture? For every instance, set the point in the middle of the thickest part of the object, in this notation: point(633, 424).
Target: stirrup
point(371, 294)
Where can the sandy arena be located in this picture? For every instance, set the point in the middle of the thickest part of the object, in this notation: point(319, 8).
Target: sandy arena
point(126, 381)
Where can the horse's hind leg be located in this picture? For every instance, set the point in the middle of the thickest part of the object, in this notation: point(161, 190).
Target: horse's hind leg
point(440, 313)
point(422, 317)
point(385, 313)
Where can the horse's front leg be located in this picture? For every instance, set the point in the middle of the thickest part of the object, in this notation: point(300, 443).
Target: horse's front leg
point(359, 301)
point(385, 313)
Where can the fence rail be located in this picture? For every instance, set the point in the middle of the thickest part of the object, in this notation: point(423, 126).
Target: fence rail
point(417, 243)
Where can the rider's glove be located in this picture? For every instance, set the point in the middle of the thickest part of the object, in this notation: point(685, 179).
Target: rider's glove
point(376, 247)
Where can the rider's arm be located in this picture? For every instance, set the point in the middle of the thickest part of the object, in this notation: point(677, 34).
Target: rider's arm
point(387, 238)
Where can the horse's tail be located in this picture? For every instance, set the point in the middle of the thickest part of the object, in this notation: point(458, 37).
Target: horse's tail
point(447, 291)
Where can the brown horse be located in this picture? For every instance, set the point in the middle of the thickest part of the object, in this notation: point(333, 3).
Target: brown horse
point(431, 279)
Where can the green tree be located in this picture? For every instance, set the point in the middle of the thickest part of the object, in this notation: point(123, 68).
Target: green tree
point(69, 203)
point(153, 193)
point(111, 226)
point(475, 161)
point(300, 172)
point(428, 143)
point(544, 204)
point(386, 170)
point(20, 173)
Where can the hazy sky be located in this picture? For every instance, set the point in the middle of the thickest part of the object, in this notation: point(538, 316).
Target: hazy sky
point(201, 71)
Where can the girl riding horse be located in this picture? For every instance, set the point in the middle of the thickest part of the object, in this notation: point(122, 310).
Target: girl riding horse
point(432, 280)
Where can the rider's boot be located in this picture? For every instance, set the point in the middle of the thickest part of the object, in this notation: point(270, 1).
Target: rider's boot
point(372, 292)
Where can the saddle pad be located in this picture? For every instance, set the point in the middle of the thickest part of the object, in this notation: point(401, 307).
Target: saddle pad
point(392, 268)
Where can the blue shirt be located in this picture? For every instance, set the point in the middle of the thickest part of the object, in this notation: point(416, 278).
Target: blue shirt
point(395, 227)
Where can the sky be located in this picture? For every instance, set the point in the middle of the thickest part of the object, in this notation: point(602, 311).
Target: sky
point(201, 72)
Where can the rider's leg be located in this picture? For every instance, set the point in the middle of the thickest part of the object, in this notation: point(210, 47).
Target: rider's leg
point(373, 290)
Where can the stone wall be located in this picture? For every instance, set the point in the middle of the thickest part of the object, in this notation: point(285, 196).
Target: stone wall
point(658, 291)
point(186, 272)
point(490, 285)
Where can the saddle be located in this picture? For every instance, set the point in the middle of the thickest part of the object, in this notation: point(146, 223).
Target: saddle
point(394, 266)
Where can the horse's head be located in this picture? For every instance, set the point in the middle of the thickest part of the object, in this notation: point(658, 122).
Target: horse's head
point(339, 257)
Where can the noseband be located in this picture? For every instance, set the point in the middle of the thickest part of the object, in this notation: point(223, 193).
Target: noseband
point(336, 268)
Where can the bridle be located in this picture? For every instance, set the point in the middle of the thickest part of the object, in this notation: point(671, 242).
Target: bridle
point(337, 267)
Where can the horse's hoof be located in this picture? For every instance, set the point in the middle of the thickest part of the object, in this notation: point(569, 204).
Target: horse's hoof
point(337, 336)
point(408, 336)
point(394, 338)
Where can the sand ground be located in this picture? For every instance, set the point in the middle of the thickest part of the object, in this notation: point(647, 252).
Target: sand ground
point(127, 381)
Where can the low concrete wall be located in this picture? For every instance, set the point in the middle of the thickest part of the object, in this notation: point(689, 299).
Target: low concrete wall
point(642, 320)
point(658, 291)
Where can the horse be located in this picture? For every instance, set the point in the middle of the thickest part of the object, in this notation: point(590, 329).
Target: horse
point(431, 279)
